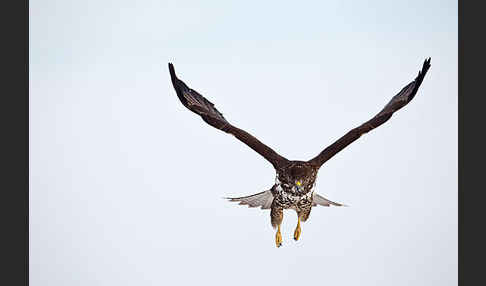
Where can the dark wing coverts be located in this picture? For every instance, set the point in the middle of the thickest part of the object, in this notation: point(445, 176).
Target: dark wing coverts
point(203, 107)
point(397, 102)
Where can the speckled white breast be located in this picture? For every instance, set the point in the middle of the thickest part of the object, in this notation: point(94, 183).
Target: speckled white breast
point(289, 197)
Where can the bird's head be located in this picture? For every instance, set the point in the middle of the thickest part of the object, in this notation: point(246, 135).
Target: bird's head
point(299, 177)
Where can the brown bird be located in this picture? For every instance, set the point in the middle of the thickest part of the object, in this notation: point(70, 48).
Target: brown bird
point(293, 188)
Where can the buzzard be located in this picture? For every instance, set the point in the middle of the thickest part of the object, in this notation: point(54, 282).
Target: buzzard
point(294, 182)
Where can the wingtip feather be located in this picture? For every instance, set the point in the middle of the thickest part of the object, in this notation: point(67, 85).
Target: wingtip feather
point(426, 65)
point(172, 71)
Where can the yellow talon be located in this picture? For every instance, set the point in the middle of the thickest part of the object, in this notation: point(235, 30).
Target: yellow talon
point(297, 230)
point(278, 237)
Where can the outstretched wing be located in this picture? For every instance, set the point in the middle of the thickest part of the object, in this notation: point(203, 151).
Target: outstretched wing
point(322, 201)
point(397, 102)
point(204, 108)
point(263, 200)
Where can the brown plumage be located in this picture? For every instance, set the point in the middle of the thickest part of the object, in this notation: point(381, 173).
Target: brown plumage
point(293, 187)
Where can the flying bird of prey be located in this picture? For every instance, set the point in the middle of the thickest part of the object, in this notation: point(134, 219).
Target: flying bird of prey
point(294, 182)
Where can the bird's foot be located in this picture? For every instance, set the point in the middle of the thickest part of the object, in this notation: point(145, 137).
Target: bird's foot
point(297, 230)
point(297, 233)
point(278, 238)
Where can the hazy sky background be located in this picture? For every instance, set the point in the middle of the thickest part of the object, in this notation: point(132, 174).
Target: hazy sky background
point(126, 185)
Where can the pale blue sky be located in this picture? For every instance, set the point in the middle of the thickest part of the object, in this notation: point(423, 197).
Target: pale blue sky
point(126, 184)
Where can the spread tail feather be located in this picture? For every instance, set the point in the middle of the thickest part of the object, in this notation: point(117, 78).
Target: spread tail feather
point(263, 200)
